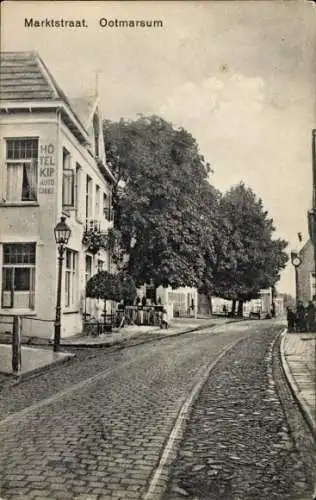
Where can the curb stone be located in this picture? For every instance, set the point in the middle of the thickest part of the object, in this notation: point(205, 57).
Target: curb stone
point(18, 377)
point(123, 341)
point(295, 390)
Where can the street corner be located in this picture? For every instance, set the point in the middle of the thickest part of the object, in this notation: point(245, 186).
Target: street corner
point(33, 359)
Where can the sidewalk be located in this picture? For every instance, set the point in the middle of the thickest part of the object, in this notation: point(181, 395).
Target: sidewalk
point(298, 352)
point(118, 336)
point(39, 354)
point(33, 359)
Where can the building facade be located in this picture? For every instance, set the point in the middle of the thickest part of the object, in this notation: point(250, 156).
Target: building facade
point(306, 273)
point(52, 164)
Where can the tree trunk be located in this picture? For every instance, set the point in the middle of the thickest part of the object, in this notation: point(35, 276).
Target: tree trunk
point(209, 299)
point(233, 307)
point(104, 315)
point(240, 308)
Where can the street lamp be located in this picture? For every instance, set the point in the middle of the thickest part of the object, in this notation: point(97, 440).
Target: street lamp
point(62, 234)
point(296, 261)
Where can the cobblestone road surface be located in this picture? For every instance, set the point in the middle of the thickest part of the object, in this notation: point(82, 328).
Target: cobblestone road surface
point(238, 444)
point(102, 438)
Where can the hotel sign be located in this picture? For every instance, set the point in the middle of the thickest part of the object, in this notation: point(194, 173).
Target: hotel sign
point(47, 169)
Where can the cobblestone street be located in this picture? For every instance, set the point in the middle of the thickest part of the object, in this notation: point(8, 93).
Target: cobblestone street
point(96, 427)
point(238, 444)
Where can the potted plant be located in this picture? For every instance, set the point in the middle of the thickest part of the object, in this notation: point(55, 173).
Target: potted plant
point(105, 286)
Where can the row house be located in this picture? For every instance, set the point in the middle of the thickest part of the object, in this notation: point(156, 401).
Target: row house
point(52, 164)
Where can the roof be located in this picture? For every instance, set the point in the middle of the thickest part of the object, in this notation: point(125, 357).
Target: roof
point(306, 247)
point(25, 80)
point(84, 108)
point(24, 77)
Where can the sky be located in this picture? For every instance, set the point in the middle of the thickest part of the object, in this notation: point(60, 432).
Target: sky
point(239, 75)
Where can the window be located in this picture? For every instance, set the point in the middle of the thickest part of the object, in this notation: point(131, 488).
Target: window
point(88, 271)
point(70, 278)
point(21, 170)
point(68, 182)
point(100, 265)
point(18, 275)
point(97, 202)
point(88, 197)
point(107, 207)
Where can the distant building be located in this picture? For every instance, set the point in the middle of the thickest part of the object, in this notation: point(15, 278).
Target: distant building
point(180, 302)
point(261, 306)
point(306, 273)
point(52, 164)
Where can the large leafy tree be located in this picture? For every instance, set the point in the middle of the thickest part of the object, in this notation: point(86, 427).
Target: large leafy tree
point(159, 200)
point(247, 257)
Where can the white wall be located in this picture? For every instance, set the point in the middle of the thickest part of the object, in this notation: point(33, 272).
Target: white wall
point(34, 222)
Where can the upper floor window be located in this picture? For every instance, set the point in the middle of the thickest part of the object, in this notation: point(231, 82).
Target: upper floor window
point(97, 202)
point(107, 207)
point(68, 182)
point(21, 169)
point(88, 197)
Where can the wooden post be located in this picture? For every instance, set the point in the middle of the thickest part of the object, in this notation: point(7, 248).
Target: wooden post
point(16, 344)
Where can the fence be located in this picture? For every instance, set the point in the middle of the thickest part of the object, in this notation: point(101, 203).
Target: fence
point(143, 315)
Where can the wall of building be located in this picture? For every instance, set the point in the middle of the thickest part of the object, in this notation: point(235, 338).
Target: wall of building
point(34, 221)
point(305, 272)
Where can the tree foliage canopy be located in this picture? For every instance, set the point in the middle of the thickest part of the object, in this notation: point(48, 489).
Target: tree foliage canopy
point(108, 286)
point(162, 186)
point(175, 227)
point(247, 258)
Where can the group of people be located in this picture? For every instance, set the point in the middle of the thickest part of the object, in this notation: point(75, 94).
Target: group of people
point(302, 319)
point(143, 312)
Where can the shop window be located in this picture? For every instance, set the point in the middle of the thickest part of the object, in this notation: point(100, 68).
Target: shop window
point(21, 170)
point(18, 275)
point(71, 281)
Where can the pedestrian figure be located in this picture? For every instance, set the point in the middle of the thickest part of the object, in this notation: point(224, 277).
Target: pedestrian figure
point(291, 317)
point(311, 315)
point(300, 317)
point(273, 310)
point(164, 319)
